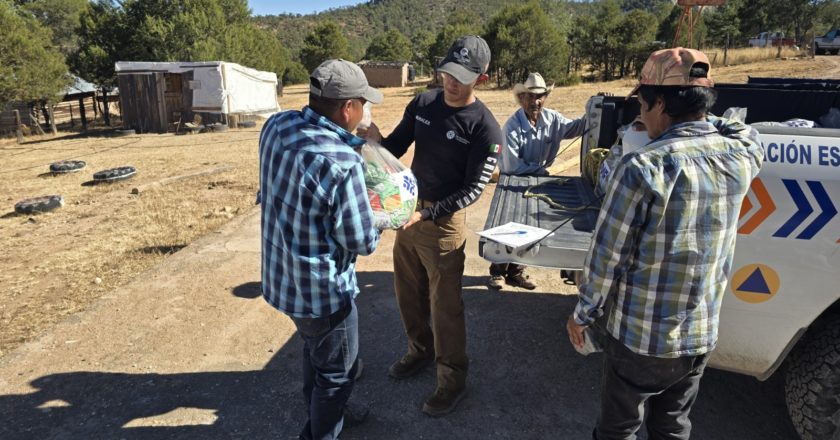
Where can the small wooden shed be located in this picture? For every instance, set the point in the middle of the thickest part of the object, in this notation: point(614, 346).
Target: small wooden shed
point(155, 95)
point(385, 73)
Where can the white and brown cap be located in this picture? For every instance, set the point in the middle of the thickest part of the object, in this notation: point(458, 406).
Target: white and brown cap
point(676, 67)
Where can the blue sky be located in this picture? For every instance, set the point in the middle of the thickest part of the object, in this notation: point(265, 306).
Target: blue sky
point(274, 7)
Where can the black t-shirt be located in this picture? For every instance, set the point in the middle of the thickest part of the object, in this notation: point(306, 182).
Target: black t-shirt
point(455, 150)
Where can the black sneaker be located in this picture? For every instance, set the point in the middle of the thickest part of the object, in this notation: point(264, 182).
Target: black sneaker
point(355, 415)
point(520, 281)
point(443, 401)
point(496, 282)
point(408, 366)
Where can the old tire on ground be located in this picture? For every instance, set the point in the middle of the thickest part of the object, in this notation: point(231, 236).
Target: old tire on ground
point(113, 174)
point(39, 204)
point(126, 132)
point(247, 124)
point(217, 127)
point(67, 166)
point(812, 382)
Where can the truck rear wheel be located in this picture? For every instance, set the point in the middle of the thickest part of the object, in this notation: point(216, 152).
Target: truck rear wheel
point(812, 382)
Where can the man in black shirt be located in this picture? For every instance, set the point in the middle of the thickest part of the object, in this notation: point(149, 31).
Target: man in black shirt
point(456, 141)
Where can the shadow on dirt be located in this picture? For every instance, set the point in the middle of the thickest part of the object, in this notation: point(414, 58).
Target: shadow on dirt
point(525, 382)
point(249, 290)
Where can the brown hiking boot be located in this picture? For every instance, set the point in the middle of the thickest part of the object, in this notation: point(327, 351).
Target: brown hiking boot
point(520, 280)
point(443, 401)
point(496, 282)
point(409, 366)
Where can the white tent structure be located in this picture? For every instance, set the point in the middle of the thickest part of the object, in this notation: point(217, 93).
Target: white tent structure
point(160, 93)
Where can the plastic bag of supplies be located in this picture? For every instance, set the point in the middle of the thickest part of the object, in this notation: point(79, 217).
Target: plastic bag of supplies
point(391, 187)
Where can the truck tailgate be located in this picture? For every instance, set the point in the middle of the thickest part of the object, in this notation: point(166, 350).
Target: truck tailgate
point(568, 246)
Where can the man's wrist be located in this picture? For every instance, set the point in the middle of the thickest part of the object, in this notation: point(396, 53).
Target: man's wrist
point(581, 319)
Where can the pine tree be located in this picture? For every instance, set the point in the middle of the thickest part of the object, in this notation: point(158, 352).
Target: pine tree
point(324, 43)
point(389, 46)
point(522, 39)
point(30, 68)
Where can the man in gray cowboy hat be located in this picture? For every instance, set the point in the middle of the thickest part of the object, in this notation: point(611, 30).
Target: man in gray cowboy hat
point(532, 138)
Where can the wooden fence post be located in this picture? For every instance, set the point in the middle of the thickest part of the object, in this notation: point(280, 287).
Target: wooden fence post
point(18, 129)
point(33, 119)
point(51, 110)
point(726, 50)
point(105, 113)
point(82, 112)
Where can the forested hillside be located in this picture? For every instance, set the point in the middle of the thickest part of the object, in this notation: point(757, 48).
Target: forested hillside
point(565, 40)
point(413, 18)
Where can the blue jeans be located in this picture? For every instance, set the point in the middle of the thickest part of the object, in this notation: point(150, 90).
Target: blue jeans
point(330, 349)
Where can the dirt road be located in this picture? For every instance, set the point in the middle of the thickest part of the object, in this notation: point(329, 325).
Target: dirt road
point(190, 350)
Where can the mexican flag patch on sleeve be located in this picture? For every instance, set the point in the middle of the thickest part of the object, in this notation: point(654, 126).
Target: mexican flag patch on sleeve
point(495, 148)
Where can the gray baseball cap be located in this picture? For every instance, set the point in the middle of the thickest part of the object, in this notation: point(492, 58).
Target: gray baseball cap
point(468, 57)
point(340, 79)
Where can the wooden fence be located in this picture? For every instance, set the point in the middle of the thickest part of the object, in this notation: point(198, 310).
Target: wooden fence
point(68, 114)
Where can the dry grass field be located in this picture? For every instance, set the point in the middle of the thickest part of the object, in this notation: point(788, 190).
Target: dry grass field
point(53, 265)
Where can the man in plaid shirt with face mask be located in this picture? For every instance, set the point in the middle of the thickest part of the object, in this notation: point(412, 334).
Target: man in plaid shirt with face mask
point(662, 250)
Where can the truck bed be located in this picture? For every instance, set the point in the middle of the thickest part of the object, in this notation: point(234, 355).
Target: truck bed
point(568, 246)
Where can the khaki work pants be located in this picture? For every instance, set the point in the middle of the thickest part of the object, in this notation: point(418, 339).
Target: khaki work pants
point(428, 270)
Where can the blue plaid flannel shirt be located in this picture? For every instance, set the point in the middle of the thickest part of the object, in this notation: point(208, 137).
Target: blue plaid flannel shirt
point(316, 217)
point(665, 237)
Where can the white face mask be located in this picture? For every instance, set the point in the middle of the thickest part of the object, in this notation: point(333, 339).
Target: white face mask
point(632, 140)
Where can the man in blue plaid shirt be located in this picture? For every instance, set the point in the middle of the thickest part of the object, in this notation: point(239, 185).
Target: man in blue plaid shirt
point(316, 219)
point(662, 250)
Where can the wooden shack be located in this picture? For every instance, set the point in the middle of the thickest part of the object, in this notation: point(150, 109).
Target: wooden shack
point(385, 73)
point(157, 96)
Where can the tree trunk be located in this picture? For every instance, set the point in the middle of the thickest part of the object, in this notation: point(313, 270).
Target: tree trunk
point(45, 112)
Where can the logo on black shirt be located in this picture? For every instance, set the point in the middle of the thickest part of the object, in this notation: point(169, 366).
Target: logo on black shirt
point(451, 135)
point(425, 121)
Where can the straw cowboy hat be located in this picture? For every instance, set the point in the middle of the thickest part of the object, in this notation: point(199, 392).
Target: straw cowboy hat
point(534, 84)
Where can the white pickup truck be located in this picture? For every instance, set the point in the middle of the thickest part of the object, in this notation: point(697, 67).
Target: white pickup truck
point(782, 305)
point(770, 39)
point(828, 43)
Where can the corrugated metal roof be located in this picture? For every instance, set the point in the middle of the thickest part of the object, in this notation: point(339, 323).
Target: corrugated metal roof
point(79, 86)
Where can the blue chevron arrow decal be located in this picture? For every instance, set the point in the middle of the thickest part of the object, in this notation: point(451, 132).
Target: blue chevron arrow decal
point(804, 209)
point(828, 211)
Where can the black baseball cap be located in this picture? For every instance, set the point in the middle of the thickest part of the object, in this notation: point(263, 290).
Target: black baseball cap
point(468, 57)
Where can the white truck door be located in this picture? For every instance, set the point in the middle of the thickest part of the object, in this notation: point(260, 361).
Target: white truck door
point(786, 269)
